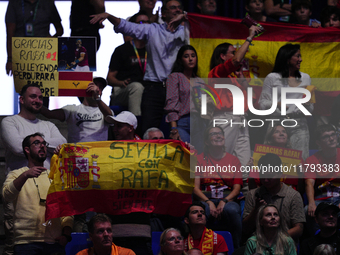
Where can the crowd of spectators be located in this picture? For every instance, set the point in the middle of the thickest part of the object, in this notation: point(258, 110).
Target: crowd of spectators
point(155, 74)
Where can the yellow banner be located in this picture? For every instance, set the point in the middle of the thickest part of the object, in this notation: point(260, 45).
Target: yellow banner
point(35, 60)
point(119, 176)
point(290, 159)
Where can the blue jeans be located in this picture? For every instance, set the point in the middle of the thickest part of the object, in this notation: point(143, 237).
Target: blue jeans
point(231, 218)
point(38, 248)
point(183, 127)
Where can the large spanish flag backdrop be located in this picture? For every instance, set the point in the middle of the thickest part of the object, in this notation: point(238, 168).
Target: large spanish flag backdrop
point(120, 177)
point(319, 48)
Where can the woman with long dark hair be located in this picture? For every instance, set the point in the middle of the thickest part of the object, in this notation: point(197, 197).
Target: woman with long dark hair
point(286, 73)
point(218, 190)
point(179, 105)
point(271, 235)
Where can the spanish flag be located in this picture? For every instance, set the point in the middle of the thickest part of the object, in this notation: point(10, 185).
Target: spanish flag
point(74, 83)
point(319, 48)
point(120, 177)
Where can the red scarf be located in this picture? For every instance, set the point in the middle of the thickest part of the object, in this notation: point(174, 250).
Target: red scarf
point(206, 244)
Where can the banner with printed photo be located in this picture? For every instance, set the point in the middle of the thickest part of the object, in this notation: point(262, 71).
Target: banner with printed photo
point(77, 54)
point(120, 177)
point(59, 66)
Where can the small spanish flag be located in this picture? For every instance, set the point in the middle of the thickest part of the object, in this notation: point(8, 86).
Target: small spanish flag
point(74, 83)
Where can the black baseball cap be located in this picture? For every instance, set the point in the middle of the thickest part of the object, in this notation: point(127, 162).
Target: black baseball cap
point(324, 206)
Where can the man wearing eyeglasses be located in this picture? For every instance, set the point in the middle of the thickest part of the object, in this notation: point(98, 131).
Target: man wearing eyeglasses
point(200, 237)
point(27, 188)
point(13, 130)
point(322, 172)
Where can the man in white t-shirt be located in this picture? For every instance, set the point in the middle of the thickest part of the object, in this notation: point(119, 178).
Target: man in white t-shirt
point(86, 122)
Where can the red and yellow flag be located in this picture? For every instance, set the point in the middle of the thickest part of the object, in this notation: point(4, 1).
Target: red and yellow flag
point(319, 48)
point(74, 83)
point(120, 177)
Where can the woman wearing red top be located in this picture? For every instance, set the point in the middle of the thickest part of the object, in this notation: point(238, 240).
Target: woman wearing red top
point(226, 63)
point(219, 189)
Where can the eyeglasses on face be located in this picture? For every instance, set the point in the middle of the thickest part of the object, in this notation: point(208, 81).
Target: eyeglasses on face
point(38, 143)
point(215, 134)
point(173, 238)
point(326, 138)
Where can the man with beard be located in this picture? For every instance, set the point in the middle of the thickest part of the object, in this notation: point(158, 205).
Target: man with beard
point(124, 126)
point(131, 230)
point(85, 122)
point(326, 216)
point(13, 130)
point(81, 58)
point(27, 188)
point(200, 237)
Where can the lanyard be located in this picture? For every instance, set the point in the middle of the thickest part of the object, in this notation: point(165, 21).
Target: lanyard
point(35, 10)
point(139, 60)
point(41, 200)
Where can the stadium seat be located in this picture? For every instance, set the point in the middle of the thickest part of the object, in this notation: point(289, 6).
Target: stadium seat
point(155, 238)
point(80, 241)
point(228, 239)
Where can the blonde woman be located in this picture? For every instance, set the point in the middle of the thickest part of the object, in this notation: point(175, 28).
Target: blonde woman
point(271, 234)
point(171, 242)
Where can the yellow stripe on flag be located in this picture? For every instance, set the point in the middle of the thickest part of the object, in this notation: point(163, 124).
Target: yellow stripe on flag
point(70, 84)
